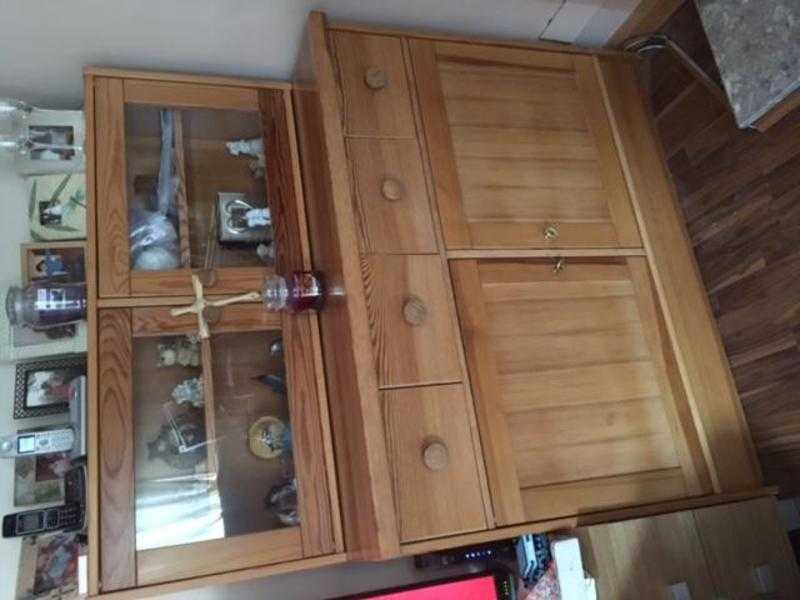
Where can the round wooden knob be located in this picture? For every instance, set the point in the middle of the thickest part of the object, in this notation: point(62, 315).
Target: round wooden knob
point(414, 310)
point(207, 277)
point(435, 456)
point(392, 189)
point(375, 78)
point(550, 232)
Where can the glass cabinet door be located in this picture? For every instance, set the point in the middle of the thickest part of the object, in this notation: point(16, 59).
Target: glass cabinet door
point(196, 189)
point(211, 465)
point(186, 186)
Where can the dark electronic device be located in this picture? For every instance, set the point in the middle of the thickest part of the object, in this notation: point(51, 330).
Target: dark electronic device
point(503, 551)
point(488, 585)
point(71, 516)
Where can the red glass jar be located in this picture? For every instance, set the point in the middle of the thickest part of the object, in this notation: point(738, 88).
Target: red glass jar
point(297, 292)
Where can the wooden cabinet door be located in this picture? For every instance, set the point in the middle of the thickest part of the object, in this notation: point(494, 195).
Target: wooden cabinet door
point(171, 196)
point(521, 149)
point(577, 404)
point(205, 446)
point(658, 558)
point(748, 551)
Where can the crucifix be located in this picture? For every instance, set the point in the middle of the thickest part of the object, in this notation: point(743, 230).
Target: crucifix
point(200, 304)
point(199, 307)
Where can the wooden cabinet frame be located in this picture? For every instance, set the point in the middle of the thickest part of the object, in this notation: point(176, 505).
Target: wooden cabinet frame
point(126, 305)
point(116, 279)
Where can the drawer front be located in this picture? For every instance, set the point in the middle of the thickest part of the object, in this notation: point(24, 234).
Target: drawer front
point(433, 462)
point(391, 196)
point(374, 86)
point(412, 326)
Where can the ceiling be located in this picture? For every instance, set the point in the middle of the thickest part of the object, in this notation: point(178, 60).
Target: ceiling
point(45, 44)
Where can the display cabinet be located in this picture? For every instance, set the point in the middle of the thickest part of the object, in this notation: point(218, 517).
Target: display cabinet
point(213, 446)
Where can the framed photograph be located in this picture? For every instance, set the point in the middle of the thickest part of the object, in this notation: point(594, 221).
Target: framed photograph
point(57, 207)
point(40, 479)
point(41, 387)
point(53, 260)
point(48, 567)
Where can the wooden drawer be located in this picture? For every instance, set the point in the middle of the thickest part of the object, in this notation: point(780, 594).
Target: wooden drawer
point(375, 95)
point(748, 553)
point(412, 326)
point(433, 462)
point(391, 196)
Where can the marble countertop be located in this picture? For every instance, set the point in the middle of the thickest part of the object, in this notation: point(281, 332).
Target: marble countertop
point(757, 47)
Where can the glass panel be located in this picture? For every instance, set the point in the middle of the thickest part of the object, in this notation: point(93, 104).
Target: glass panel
point(202, 477)
point(196, 188)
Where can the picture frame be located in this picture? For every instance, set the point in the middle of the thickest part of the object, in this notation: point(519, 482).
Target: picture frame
point(57, 207)
point(48, 567)
point(40, 479)
point(64, 261)
point(41, 387)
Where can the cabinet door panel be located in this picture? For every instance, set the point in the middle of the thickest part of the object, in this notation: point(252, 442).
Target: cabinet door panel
point(521, 149)
point(647, 558)
point(174, 197)
point(575, 406)
point(748, 552)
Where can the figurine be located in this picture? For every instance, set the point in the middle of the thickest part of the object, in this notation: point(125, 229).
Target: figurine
point(189, 392)
point(253, 147)
point(184, 352)
point(269, 437)
point(179, 442)
point(282, 500)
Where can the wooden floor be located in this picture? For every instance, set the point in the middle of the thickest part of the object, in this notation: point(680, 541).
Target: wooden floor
point(740, 192)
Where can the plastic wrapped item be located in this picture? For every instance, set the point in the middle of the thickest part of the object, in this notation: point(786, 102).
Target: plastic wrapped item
point(153, 242)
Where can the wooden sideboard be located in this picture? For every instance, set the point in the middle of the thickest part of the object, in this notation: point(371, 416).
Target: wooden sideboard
point(522, 302)
point(516, 338)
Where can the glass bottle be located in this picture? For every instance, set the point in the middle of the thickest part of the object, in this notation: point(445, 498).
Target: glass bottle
point(297, 292)
point(46, 304)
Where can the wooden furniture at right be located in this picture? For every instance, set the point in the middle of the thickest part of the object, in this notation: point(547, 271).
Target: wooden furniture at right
point(737, 551)
point(516, 276)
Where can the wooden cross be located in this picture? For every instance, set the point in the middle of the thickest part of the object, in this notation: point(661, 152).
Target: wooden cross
point(200, 304)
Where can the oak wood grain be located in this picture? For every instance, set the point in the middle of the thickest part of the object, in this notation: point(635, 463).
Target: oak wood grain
point(410, 352)
point(178, 282)
point(698, 349)
point(384, 112)
point(314, 487)
point(157, 320)
point(370, 528)
point(190, 95)
point(391, 225)
point(115, 445)
point(417, 418)
point(738, 538)
point(113, 261)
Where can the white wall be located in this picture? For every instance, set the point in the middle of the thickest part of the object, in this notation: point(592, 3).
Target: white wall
point(13, 232)
point(44, 45)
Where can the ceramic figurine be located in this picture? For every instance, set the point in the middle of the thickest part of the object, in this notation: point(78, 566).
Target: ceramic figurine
point(180, 441)
point(253, 147)
point(282, 500)
point(269, 437)
point(184, 352)
point(189, 392)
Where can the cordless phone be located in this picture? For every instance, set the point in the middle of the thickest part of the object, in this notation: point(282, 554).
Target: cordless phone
point(30, 443)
